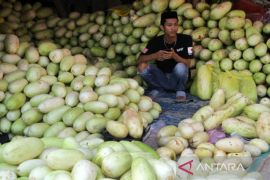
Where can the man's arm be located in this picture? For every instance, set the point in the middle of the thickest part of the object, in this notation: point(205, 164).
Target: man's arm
point(157, 56)
point(146, 58)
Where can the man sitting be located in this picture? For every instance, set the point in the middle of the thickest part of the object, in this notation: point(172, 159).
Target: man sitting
point(171, 54)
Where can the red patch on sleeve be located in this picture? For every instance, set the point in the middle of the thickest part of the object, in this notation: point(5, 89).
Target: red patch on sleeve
point(145, 50)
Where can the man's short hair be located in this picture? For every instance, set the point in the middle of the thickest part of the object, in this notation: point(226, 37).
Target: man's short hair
point(168, 15)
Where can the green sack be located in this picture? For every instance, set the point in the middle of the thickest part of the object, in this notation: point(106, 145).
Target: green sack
point(247, 86)
point(229, 82)
point(215, 79)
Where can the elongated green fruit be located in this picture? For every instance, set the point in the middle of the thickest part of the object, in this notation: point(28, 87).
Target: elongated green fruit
point(15, 101)
point(146, 148)
point(18, 150)
point(141, 169)
point(131, 147)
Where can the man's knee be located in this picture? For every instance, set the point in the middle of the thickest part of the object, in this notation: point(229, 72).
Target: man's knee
point(181, 69)
point(142, 67)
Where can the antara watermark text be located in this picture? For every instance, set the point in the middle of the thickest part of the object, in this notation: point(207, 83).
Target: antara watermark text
point(214, 167)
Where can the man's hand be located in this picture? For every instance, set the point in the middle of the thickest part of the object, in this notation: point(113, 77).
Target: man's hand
point(175, 56)
point(163, 55)
point(180, 59)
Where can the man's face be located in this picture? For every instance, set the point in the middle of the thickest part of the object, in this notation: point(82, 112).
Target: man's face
point(170, 27)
